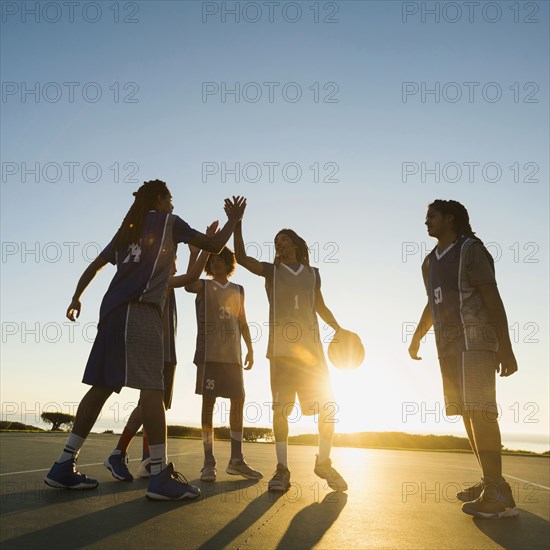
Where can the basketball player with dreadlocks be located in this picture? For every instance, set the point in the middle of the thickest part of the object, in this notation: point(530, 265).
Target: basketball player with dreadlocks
point(295, 352)
point(473, 343)
point(128, 348)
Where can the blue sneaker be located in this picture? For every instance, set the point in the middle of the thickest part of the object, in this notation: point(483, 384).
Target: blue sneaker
point(64, 475)
point(171, 485)
point(117, 463)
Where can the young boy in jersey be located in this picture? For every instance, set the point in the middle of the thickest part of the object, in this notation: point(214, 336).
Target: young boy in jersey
point(295, 352)
point(128, 348)
point(117, 461)
point(221, 321)
point(471, 329)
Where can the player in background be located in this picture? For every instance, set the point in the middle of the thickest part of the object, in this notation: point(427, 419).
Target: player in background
point(117, 461)
point(221, 321)
point(128, 348)
point(295, 352)
point(473, 343)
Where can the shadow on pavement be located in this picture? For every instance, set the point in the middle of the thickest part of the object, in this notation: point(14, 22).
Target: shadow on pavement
point(310, 524)
point(252, 513)
point(526, 531)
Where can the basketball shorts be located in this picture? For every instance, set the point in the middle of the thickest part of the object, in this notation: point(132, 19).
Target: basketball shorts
point(128, 349)
point(469, 382)
point(312, 385)
point(220, 380)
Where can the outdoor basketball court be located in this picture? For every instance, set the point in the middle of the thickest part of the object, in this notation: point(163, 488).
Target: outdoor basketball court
point(397, 499)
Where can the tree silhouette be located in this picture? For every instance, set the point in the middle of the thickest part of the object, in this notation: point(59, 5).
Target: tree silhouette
point(57, 419)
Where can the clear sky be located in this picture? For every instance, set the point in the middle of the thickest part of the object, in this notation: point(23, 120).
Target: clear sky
point(338, 128)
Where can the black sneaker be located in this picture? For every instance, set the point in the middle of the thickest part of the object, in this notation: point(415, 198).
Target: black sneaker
point(495, 502)
point(325, 471)
point(471, 493)
point(280, 482)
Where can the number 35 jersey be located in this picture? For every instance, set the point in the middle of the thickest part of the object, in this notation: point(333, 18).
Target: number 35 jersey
point(218, 308)
point(293, 325)
point(460, 317)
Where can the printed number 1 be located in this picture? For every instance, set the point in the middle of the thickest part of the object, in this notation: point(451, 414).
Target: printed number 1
point(296, 306)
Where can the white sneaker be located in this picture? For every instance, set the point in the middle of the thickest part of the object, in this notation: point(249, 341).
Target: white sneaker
point(144, 469)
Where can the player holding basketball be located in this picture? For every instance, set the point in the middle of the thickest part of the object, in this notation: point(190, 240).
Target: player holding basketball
point(221, 321)
point(295, 352)
point(473, 343)
point(128, 349)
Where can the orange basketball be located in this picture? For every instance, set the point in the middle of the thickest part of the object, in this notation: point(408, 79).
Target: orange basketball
point(346, 351)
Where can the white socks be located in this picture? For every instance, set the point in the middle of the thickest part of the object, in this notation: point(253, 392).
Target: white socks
point(158, 458)
point(281, 448)
point(324, 449)
point(74, 444)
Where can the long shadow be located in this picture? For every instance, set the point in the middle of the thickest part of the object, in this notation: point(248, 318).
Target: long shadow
point(526, 531)
point(310, 524)
point(128, 510)
point(252, 513)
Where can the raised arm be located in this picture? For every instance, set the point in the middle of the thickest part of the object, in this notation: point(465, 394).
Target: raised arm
point(215, 243)
point(253, 265)
point(497, 316)
point(85, 279)
point(424, 325)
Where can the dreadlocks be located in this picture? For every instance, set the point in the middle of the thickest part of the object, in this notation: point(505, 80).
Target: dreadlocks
point(461, 219)
point(145, 199)
point(302, 250)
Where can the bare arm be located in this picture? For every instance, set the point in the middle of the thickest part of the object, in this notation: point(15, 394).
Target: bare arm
point(324, 312)
point(253, 265)
point(194, 270)
point(215, 243)
point(245, 331)
point(497, 315)
point(424, 325)
point(85, 279)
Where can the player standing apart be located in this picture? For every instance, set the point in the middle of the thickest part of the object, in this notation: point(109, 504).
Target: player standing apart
point(128, 349)
point(221, 321)
point(295, 352)
point(471, 329)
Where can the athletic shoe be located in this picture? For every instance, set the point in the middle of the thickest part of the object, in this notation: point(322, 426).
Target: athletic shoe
point(495, 502)
point(64, 475)
point(208, 473)
point(171, 485)
point(144, 468)
point(117, 464)
point(471, 493)
point(238, 467)
point(280, 482)
point(325, 471)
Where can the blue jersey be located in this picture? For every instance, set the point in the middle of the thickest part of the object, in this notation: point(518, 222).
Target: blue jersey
point(143, 269)
point(460, 318)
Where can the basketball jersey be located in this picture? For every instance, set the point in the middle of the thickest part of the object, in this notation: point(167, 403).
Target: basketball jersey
point(293, 325)
point(218, 308)
point(460, 317)
point(143, 268)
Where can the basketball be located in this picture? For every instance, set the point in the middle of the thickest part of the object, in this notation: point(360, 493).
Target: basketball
point(346, 351)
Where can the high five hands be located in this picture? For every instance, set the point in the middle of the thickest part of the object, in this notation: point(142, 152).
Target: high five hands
point(235, 208)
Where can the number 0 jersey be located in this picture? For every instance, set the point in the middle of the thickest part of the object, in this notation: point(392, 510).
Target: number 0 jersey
point(218, 308)
point(460, 317)
point(293, 325)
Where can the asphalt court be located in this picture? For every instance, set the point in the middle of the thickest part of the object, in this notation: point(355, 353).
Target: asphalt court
point(396, 499)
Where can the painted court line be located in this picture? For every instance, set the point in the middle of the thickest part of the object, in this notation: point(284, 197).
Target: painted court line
point(85, 465)
point(530, 482)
